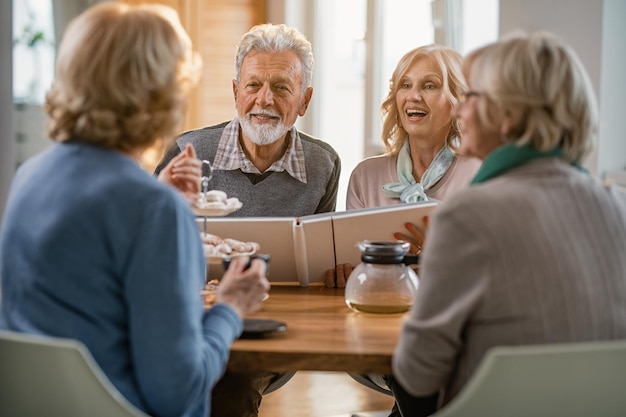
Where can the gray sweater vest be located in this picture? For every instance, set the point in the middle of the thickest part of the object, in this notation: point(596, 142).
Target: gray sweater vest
point(278, 194)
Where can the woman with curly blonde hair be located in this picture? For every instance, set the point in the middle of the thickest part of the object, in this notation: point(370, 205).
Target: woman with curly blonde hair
point(93, 247)
point(419, 134)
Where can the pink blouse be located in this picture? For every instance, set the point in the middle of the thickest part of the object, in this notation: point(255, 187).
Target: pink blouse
point(365, 188)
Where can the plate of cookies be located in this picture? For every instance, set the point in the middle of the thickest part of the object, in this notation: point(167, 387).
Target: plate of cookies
point(217, 248)
point(215, 203)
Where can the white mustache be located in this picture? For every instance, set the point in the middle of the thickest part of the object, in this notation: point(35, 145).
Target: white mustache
point(264, 113)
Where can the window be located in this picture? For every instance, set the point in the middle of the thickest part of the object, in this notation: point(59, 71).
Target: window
point(33, 50)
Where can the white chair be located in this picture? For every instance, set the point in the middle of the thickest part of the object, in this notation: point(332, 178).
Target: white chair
point(49, 377)
point(570, 380)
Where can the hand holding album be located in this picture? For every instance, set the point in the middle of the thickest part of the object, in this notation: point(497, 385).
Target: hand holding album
point(416, 236)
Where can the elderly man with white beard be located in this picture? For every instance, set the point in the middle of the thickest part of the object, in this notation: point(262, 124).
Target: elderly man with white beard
point(260, 157)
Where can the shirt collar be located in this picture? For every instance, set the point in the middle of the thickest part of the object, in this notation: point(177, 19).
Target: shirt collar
point(230, 154)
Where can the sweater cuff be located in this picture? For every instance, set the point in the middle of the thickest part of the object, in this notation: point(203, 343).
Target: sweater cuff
point(223, 319)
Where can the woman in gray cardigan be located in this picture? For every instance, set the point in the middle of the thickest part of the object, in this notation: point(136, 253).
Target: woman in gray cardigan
point(533, 251)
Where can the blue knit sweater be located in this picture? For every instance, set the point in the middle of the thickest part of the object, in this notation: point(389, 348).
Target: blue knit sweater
point(93, 248)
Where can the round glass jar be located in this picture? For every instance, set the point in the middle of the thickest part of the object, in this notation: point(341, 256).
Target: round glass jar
point(382, 283)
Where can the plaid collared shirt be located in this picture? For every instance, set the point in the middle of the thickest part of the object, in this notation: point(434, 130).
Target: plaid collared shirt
point(230, 154)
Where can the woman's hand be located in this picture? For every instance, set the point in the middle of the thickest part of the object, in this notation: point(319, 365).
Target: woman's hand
point(244, 289)
point(184, 173)
point(415, 237)
point(337, 278)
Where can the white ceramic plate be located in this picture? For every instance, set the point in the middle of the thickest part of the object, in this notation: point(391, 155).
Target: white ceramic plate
point(214, 209)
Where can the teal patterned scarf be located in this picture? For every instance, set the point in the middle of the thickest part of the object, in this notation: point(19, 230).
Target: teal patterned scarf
point(410, 191)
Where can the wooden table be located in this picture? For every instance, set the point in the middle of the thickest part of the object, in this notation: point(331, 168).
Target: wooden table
point(322, 334)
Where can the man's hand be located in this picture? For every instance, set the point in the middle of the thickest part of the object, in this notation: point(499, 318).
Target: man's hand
point(339, 276)
point(184, 173)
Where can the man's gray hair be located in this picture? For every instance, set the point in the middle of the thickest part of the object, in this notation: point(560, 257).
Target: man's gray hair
point(277, 38)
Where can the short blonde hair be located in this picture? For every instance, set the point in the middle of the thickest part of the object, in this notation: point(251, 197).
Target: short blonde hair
point(448, 62)
point(540, 83)
point(123, 75)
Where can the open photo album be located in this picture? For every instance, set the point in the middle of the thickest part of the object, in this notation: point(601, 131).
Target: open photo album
point(302, 249)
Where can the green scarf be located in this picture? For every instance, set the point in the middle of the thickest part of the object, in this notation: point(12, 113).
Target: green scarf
point(511, 156)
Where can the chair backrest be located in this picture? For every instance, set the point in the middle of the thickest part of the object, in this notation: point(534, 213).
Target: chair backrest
point(44, 376)
point(573, 380)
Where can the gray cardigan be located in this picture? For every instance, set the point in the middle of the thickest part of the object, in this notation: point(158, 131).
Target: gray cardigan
point(535, 255)
point(276, 194)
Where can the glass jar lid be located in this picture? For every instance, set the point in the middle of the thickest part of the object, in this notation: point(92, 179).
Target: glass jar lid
point(383, 252)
